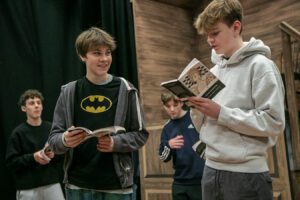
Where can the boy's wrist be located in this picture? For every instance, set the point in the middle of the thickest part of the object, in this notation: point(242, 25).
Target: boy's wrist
point(64, 140)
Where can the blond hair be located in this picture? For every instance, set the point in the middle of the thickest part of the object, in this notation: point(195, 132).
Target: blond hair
point(226, 11)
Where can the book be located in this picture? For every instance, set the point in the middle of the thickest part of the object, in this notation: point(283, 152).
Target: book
point(99, 132)
point(195, 80)
point(46, 150)
point(199, 148)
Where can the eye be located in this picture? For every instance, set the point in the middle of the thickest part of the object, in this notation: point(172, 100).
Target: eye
point(215, 33)
point(96, 53)
point(108, 53)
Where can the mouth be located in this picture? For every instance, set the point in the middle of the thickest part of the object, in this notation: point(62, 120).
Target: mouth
point(103, 66)
point(37, 112)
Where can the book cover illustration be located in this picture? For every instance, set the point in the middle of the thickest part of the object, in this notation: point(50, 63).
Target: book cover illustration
point(195, 80)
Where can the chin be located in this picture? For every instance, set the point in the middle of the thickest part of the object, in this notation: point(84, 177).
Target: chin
point(102, 73)
point(218, 52)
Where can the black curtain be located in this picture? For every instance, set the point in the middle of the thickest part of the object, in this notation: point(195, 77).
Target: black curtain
point(37, 51)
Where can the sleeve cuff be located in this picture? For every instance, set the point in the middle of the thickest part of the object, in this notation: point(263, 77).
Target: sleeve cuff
point(224, 115)
point(63, 140)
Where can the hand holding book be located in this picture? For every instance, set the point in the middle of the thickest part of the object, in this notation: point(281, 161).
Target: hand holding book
point(47, 152)
point(98, 132)
point(195, 80)
point(199, 148)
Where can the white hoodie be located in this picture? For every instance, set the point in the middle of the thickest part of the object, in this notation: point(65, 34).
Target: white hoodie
point(252, 110)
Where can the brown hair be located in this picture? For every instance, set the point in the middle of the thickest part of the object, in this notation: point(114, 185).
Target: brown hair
point(167, 96)
point(93, 38)
point(29, 94)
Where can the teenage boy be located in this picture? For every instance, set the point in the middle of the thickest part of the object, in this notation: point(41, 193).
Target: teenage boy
point(246, 117)
point(98, 168)
point(36, 173)
point(177, 138)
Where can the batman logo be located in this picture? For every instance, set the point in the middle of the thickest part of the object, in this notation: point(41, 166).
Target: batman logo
point(95, 104)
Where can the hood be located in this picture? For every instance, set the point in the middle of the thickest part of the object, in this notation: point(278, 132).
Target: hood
point(254, 46)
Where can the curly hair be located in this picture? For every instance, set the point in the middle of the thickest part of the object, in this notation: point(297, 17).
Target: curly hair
point(31, 93)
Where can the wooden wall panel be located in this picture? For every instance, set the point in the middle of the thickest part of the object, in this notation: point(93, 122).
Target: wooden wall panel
point(278, 170)
point(158, 194)
point(164, 46)
point(155, 168)
point(262, 19)
point(166, 40)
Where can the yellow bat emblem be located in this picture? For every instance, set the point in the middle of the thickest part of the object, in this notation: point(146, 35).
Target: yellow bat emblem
point(95, 104)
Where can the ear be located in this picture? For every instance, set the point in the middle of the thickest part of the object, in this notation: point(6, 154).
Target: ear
point(82, 58)
point(181, 104)
point(23, 108)
point(237, 26)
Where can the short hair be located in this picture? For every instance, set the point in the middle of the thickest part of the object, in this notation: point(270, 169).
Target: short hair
point(93, 38)
point(167, 96)
point(227, 11)
point(30, 94)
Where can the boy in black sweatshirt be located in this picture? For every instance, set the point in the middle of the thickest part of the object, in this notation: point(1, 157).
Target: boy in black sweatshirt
point(35, 171)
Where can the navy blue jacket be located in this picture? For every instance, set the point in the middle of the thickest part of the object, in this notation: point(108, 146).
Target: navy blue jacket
point(187, 163)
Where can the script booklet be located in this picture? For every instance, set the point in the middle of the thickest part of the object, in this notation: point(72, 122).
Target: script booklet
point(99, 132)
point(195, 80)
point(199, 148)
point(46, 150)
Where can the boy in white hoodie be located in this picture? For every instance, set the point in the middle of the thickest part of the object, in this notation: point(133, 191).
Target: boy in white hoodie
point(243, 120)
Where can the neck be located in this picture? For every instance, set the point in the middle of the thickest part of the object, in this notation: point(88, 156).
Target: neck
point(239, 44)
point(183, 112)
point(100, 80)
point(34, 122)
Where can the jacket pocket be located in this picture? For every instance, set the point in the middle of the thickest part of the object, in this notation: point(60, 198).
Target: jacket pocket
point(124, 168)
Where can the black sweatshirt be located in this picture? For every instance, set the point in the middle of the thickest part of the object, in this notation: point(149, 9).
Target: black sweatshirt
point(23, 143)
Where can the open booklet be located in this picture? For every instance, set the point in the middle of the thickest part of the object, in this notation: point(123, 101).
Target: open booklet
point(99, 132)
point(195, 80)
point(199, 148)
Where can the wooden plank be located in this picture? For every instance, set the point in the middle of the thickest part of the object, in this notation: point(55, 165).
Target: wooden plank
point(291, 98)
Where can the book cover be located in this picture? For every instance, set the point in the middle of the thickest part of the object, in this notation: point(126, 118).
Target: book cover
point(195, 80)
point(45, 150)
point(99, 132)
point(199, 148)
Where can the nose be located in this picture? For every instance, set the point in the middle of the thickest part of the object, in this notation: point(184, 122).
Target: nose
point(103, 57)
point(172, 108)
point(209, 40)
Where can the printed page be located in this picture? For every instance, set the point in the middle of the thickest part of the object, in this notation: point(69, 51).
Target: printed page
point(197, 77)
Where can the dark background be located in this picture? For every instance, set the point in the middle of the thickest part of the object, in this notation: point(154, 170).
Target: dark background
point(37, 51)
